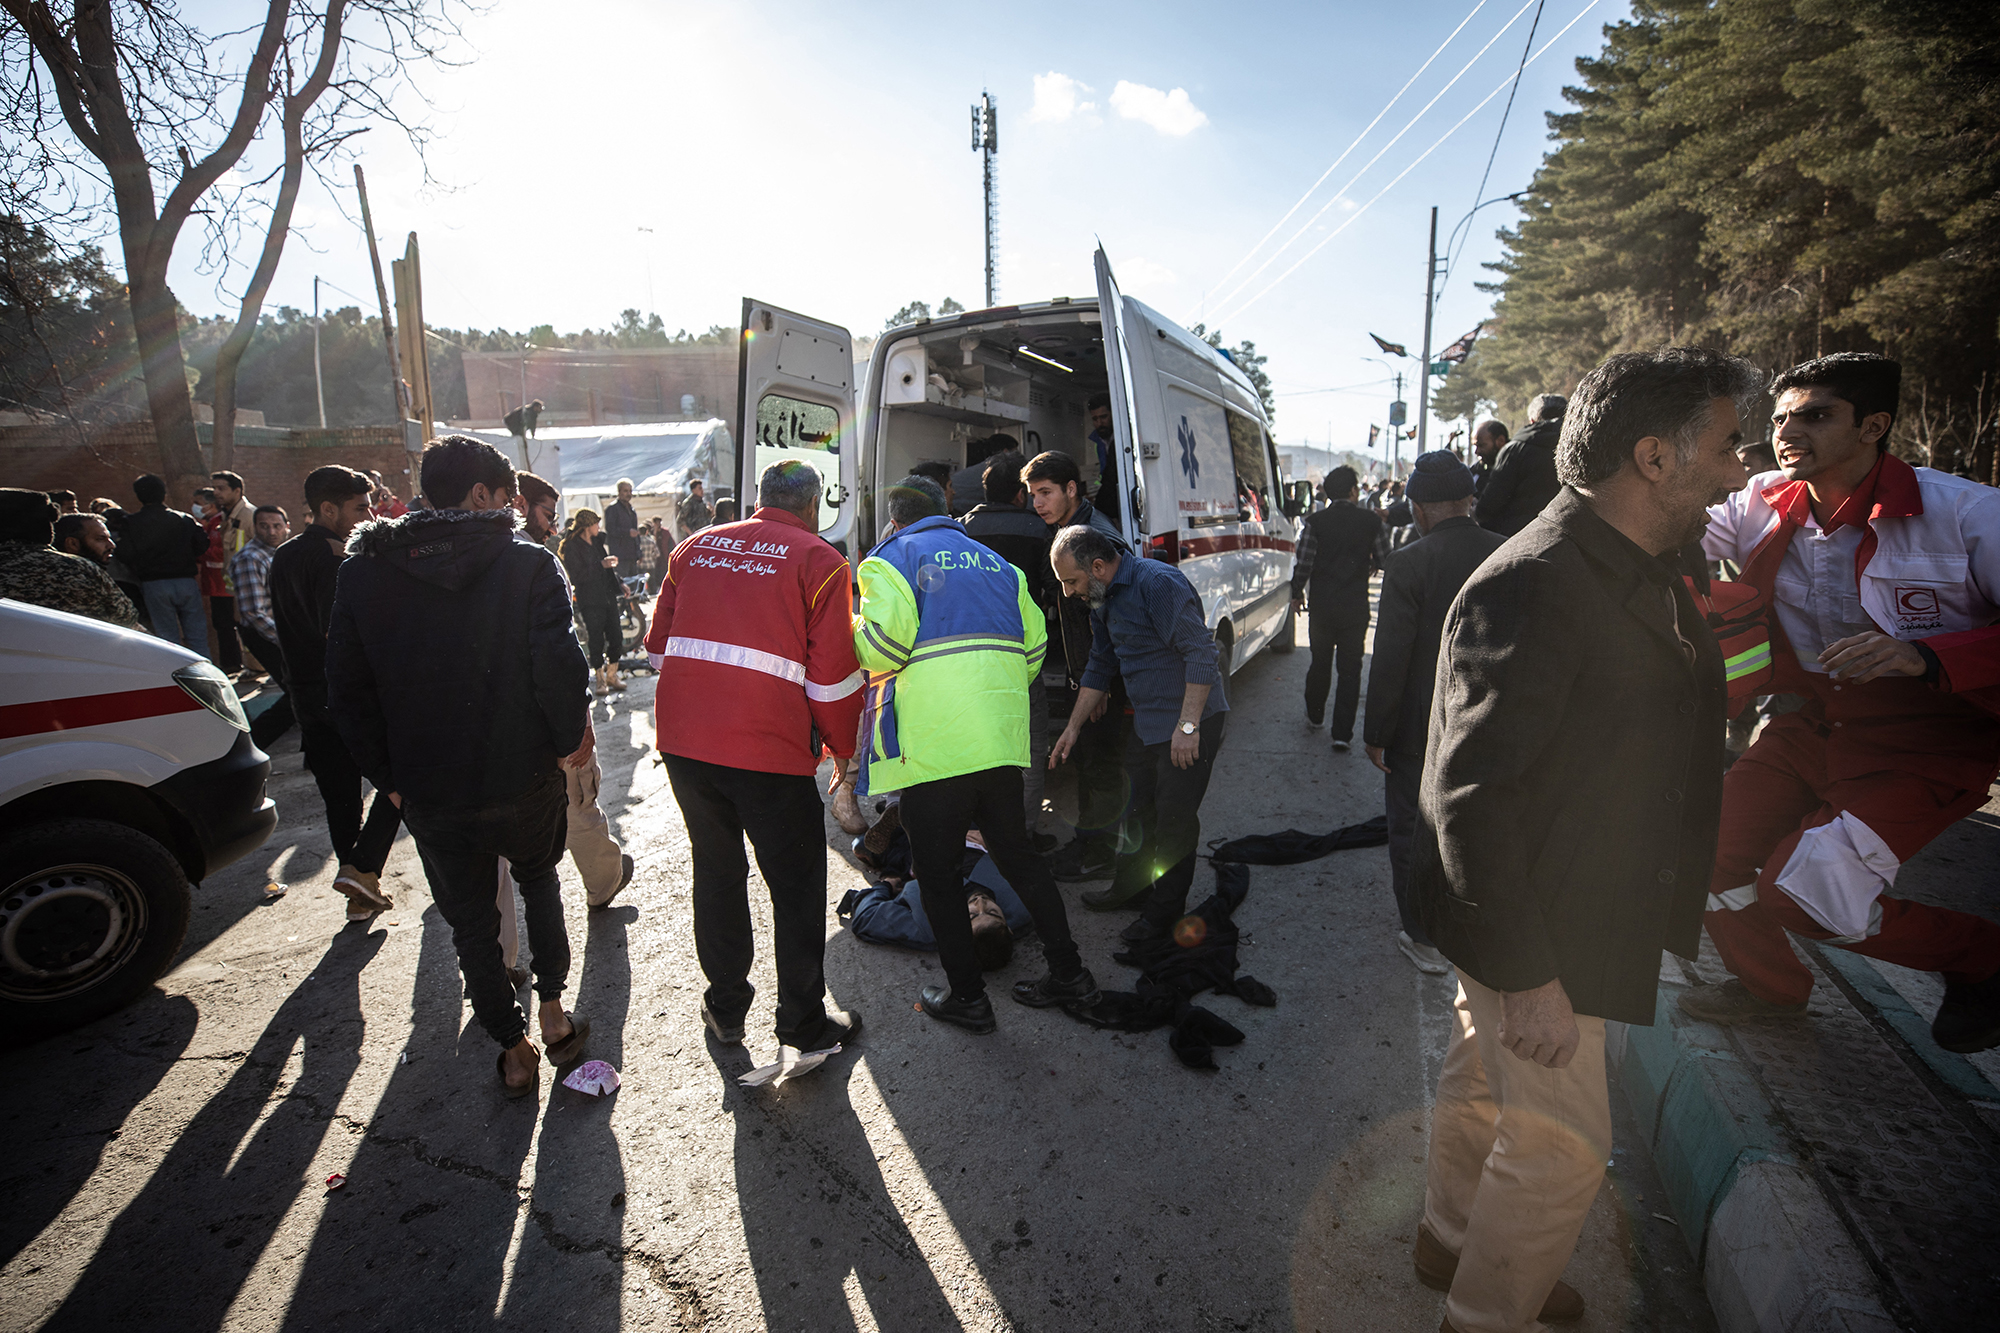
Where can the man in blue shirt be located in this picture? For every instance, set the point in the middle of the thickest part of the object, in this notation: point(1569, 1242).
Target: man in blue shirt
point(1147, 626)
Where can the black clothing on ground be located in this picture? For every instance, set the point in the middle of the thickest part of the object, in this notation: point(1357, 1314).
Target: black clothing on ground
point(1165, 819)
point(784, 819)
point(162, 543)
point(1417, 592)
point(1521, 481)
point(1020, 536)
point(365, 846)
point(937, 815)
point(1336, 554)
point(1573, 785)
point(461, 847)
point(304, 574)
point(1402, 793)
point(276, 720)
point(621, 534)
point(1336, 643)
point(1292, 847)
point(593, 584)
point(453, 669)
point(222, 615)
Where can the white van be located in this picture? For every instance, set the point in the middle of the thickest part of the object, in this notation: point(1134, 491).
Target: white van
point(1196, 463)
point(126, 771)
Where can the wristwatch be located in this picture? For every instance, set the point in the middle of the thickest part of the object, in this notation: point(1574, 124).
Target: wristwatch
point(1188, 728)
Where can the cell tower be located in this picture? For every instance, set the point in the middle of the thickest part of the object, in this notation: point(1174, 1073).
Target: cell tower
point(986, 143)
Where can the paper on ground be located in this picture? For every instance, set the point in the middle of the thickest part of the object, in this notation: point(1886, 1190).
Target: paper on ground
point(594, 1077)
point(790, 1064)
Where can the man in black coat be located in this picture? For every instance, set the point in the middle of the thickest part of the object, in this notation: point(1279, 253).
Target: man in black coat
point(1417, 591)
point(1330, 579)
point(164, 548)
point(1522, 477)
point(1571, 799)
point(1004, 522)
point(454, 674)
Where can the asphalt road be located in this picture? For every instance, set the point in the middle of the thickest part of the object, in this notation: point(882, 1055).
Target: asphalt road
point(166, 1166)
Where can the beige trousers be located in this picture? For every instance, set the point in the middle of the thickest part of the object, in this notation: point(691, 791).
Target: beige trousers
point(600, 861)
point(1517, 1153)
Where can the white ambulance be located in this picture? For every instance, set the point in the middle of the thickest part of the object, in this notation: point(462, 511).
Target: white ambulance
point(126, 772)
point(1195, 460)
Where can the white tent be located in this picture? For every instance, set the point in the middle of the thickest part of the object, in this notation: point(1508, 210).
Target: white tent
point(586, 463)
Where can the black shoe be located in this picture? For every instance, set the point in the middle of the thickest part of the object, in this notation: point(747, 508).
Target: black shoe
point(1044, 842)
point(1733, 1002)
point(1341, 747)
point(1076, 863)
point(1047, 991)
point(1969, 1019)
point(1113, 899)
point(1143, 931)
point(975, 1016)
point(841, 1026)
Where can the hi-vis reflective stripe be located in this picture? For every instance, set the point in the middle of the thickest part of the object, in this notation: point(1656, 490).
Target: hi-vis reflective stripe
point(755, 659)
point(1733, 900)
point(1751, 659)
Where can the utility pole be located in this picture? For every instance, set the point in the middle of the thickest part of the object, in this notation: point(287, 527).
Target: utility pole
point(986, 142)
point(1430, 288)
point(1398, 414)
point(319, 381)
point(396, 395)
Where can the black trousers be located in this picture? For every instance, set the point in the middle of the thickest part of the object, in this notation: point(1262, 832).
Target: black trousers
point(461, 847)
point(936, 816)
point(365, 846)
point(1101, 792)
point(1401, 787)
point(222, 615)
point(276, 720)
point(1166, 819)
point(600, 627)
point(1335, 638)
point(785, 821)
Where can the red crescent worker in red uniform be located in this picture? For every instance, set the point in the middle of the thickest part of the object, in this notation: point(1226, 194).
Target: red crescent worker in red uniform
point(753, 642)
point(1883, 581)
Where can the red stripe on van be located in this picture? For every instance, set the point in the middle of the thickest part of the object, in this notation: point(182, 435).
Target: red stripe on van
point(93, 710)
point(1195, 546)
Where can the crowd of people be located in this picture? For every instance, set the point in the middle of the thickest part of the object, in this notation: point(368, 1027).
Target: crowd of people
point(1547, 699)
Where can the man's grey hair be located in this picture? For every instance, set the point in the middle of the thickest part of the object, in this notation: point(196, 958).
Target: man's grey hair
point(1547, 407)
point(1670, 394)
point(1082, 546)
point(623, 482)
point(791, 486)
point(914, 498)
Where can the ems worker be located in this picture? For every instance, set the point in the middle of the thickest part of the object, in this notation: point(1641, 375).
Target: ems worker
point(954, 641)
point(1885, 583)
point(750, 636)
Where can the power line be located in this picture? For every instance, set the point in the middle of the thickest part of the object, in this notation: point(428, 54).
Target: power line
point(1346, 152)
point(1480, 193)
point(1380, 153)
point(1356, 214)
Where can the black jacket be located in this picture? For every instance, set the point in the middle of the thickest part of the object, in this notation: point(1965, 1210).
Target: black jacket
point(1073, 612)
point(452, 669)
point(1573, 785)
point(1023, 539)
point(1417, 591)
point(621, 531)
point(302, 579)
point(1522, 480)
point(162, 543)
point(1336, 553)
point(593, 584)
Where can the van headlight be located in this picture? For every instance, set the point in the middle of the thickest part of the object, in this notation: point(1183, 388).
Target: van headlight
point(212, 690)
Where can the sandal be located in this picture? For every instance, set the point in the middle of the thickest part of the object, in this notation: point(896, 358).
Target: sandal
point(512, 1093)
point(570, 1047)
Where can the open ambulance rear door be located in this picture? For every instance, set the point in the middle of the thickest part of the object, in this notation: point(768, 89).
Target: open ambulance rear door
point(795, 400)
point(1124, 408)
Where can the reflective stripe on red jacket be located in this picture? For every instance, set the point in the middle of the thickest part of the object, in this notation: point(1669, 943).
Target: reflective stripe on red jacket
point(752, 639)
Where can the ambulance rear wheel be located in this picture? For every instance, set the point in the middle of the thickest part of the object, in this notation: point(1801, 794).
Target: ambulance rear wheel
point(1287, 637)
point(91, 914)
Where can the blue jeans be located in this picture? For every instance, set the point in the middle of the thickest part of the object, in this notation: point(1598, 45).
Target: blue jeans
point(179, 612)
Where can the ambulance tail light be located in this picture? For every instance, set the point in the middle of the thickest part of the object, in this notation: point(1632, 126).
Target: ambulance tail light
point(212, 690)
point(1165, 546)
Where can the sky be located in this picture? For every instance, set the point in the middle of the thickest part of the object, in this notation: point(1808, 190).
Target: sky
point(595, 155)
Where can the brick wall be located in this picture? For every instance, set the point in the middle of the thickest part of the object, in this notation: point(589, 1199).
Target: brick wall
point(272, 462)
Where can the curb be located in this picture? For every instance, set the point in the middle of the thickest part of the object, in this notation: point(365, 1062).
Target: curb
point(1775, 1256)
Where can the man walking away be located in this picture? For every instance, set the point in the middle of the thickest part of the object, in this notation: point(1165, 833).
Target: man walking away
point(31, 570)
point(1885, 580)
point(1330, 582)
point(250, 574)
point(1055, 488)
point(235, 524)
point(952, 626)
point(1522, 479)
point(752, 622)
point(1147, 629)
point(455, 678)
point(693, 513)
point(302, 579)
point(164, 548)
point(1003, 522)
point(1570, 803)
point(1417, 591)
point(621, 529)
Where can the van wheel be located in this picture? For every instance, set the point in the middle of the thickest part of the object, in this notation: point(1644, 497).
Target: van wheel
point(91, 913)
point(1287, 638)
point(1225, 643)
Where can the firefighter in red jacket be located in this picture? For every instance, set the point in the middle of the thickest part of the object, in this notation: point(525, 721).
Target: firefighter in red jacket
point(752, 640)
point(1884, 587)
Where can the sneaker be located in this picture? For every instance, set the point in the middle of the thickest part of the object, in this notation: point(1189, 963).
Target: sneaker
point(1077, 863)
point(1969, 1019)
point(1341, 747)
point(975, 1016)
point(729, 1034)
point(1427, 959)
point(1047, 991)
point(1733, 1002)
point(1314, 723)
